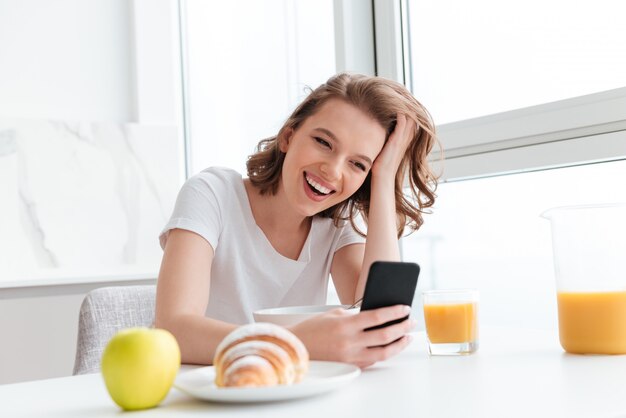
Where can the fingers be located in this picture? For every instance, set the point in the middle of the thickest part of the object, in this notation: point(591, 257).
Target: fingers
point(339, 335)
point(381, 353)
point(373, 355)
point(400, 138)
point(388, 334)
point(374, 317)
point(404, 128)
point(401, 123)
point(396, 147)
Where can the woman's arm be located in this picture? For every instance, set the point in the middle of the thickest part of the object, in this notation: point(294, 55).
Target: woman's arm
point(382, 229)
point(183, 295)
point(338, 335)
point(345, 271)
point(351, 263)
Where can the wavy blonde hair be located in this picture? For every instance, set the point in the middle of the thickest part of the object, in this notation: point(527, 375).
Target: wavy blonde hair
point(382, 99)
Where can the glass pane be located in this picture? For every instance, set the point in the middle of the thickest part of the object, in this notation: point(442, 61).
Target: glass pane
point(488, 234)
point(475, 58)
point(249, 64)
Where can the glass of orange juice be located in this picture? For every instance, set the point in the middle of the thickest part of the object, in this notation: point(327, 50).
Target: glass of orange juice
point(451, 318)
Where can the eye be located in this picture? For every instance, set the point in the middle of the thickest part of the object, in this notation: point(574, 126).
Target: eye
point(360, 166)
point(322, 142)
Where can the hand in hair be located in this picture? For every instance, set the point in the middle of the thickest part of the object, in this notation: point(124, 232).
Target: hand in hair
point(389, 159)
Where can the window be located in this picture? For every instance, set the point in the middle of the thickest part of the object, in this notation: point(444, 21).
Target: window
point(530, 105)
point(501, 77)
point(487, 233)
point(482, 57)
point(248, 66)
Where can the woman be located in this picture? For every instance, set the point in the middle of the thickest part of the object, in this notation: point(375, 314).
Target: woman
point(236, 245)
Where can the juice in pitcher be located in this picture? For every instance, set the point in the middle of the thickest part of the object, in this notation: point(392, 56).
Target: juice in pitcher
point(589, 244)
point(592, 322)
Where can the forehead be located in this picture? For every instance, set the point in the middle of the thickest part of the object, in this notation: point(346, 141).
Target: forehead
point(350, 125)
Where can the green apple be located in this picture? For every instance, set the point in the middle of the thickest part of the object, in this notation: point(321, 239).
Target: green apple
point(139, 366)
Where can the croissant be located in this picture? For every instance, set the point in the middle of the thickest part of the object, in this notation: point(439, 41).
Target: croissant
point(260, 354)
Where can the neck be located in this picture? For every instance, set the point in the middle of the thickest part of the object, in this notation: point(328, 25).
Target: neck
point(274, 211)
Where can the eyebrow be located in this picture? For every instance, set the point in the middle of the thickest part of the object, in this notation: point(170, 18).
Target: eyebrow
point(334, 138)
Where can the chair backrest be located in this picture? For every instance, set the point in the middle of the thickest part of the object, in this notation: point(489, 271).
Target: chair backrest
point(105, 311)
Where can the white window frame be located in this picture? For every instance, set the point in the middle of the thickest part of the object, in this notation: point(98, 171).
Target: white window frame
point(579, 130)
point(159, 72)
point(354, 37)
point(392, 47)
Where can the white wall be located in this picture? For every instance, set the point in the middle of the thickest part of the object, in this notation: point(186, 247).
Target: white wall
point(67, 59)
point(76, 60)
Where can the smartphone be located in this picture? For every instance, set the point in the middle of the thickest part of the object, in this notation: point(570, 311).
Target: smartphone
point(390, 283)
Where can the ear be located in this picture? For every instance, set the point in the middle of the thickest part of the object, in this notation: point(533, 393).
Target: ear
point(285, 140)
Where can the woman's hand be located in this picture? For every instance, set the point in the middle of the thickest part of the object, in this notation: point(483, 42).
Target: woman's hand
point(339, 335)
point(393, 152)
point(383, 223)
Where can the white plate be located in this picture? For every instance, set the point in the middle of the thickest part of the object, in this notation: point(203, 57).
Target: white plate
point(323, 376)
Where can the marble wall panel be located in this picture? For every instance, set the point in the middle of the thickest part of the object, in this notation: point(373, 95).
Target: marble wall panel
point(80, 201)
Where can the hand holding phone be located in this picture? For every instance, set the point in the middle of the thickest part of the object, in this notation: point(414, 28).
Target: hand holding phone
point(390, 283)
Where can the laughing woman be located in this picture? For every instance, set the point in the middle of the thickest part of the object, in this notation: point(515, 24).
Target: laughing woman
point(235, 245)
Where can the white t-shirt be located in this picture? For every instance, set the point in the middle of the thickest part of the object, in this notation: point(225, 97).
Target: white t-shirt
point(247, 272)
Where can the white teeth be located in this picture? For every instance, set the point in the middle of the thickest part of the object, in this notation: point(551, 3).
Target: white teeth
point(317, 186)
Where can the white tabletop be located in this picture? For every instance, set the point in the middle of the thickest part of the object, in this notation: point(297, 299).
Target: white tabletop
point(518, 373)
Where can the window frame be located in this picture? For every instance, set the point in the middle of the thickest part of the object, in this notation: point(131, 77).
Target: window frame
point(578, 130)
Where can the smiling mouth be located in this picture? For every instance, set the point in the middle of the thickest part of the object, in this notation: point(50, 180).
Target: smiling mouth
point(317, 188)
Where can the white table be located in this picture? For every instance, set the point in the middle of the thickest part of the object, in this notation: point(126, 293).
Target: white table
point(520, 373)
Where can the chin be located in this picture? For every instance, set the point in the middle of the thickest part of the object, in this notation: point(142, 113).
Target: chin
point(308, 211)
point(326, 207)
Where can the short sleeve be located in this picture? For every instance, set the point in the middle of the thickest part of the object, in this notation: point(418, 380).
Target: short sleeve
point(197, 209)
point(349, 236)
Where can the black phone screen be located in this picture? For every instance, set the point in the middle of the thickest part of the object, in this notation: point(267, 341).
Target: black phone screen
point(390, 283)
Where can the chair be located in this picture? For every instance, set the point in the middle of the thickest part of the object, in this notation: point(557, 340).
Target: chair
point(105, 311)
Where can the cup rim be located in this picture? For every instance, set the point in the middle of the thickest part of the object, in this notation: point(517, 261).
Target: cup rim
point(547, 214)
point(449, 291)
point(299, 310)
point(465, 295)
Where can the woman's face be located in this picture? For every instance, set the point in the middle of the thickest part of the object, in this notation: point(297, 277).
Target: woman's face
point(329, 156)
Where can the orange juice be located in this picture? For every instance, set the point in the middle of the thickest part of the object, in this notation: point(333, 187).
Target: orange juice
point(451, 322)
point(592, 322)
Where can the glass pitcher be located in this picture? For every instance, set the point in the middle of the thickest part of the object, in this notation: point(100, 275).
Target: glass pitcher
point(589, 246)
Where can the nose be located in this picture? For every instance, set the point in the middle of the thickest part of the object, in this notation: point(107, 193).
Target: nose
point(331, 169)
